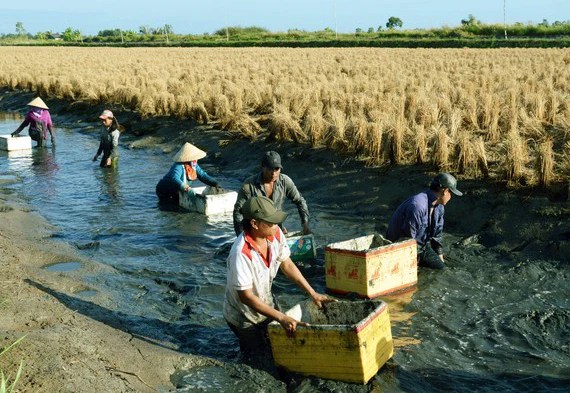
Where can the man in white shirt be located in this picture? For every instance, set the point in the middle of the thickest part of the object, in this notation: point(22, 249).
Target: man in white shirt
point(255, 258)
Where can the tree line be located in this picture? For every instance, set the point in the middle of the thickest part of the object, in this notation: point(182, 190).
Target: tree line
point(469, 27)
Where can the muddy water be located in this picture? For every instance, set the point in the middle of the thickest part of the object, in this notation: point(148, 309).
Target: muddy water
point(489, 322)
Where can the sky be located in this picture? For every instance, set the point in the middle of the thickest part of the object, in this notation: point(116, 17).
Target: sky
point(207, 16)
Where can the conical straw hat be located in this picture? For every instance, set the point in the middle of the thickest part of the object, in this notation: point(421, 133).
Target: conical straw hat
point(188, 153)
point(38, 103)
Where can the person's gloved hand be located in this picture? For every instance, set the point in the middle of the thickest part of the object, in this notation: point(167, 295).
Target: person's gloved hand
point(14, 134)
point(95, 158)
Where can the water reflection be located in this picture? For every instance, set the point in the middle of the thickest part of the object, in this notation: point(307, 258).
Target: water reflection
point(63, 267)
point(110, 183)
point(44, 162)
point(400, 318)
point(5, 116)
point(19, 160)
point(40, 162)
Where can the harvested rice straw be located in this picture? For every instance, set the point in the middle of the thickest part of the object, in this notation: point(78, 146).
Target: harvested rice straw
point(545, 163)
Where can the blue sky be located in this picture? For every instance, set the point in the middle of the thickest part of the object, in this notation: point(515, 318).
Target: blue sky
point(198, 17)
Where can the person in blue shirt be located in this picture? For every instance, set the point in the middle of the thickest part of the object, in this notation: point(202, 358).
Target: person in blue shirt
point(181, 175)
point(420, 217)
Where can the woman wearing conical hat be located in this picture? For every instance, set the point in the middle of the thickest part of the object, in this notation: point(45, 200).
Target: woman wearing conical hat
point(39, 120)
point(182, 173)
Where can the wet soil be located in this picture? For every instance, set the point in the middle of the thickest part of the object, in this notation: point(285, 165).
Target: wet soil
point(340, 313)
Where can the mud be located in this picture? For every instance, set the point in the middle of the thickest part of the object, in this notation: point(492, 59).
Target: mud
point(340, 313)
point(215, 191)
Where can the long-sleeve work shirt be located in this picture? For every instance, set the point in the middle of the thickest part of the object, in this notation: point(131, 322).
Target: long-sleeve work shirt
point(109, 143)
point(283, 187)
point(412, 220)
point(38, 120)
point(176, 180)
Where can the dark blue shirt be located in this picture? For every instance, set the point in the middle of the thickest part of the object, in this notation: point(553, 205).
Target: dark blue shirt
point(411, 220)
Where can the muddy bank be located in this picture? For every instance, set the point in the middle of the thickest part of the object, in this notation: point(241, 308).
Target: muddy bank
point(513, 225)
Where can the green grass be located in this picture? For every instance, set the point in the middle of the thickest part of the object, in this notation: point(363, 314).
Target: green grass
point(5, 385)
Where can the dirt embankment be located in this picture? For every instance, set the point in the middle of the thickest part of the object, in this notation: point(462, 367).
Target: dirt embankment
point(79, 346)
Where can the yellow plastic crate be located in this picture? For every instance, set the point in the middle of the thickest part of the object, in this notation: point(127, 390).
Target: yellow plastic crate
point(371, 266)
point(345, 341)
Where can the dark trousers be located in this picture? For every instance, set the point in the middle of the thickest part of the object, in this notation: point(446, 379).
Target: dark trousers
point(37, 136)
point(253, 340)
point(429, 258)
point(165, 192)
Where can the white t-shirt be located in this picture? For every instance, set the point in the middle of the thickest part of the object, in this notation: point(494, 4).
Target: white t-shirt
point(247, 269)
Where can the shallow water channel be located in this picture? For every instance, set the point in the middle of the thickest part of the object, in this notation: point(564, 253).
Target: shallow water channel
point(484, 324)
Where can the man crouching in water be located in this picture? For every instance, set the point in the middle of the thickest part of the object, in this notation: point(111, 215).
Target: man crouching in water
point(256, 256)
point(420, 217)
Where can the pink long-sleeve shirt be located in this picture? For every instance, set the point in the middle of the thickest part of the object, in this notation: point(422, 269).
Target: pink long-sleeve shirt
point(36, 116)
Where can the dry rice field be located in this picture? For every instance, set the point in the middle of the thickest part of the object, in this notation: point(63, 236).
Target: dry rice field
point(503, 113)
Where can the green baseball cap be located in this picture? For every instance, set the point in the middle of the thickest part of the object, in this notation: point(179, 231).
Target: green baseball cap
point(262, 208)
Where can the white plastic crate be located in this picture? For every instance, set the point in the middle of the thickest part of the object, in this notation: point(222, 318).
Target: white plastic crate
point(10, 143)
point(209, 204)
